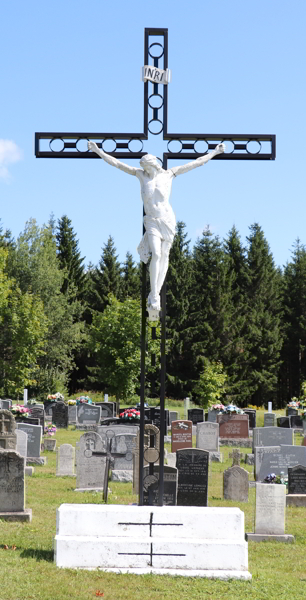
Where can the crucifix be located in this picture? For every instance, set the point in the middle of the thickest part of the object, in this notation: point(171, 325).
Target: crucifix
point(109, 460)
point(180, 146)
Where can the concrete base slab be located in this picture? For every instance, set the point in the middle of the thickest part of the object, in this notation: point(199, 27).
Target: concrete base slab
point(88, 490)
point(29, 471)
point(42, 460)
point(208, 574)
point(122, 475)
point(296, 500)
point(236, 443)
point(24, 516)
point(215, 456)
point(262, 537)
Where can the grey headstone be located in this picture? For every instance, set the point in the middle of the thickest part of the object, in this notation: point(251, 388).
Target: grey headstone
point(150, 493)
point(297, 480)
point(277, 459)
point(107, 410)
point(208, 436)
point(12, 494)
point(87, 414)
point(270, 508)
point(272, 436)
point(124, 443)
point(236, 484)
point(269, 420)
point(72, 413)
point(117, 429)
point(65, 460)
point(7, 430)
point(173, 416)
point(192, 465)
point(90, 469)
point(6, 404)
point(38, 412)
point(212, 416)
point(22, 443)
point(34, 433)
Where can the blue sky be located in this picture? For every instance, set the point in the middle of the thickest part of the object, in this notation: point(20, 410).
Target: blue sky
point(237, 67)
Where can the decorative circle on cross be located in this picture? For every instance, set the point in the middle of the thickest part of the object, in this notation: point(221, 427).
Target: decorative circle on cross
point(134, 150)
point(151, 455)
point(174, 150)
point(249, 151)
point(155, 121)
point(54, 142)
point(156, 96)
point(109, 140)
point(155, 55)
point(79, 141)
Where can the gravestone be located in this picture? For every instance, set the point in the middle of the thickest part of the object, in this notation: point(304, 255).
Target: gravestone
point(297, 480)
point(212, 416)
point(272, 436)
point(295, 422)
point(269, 420)
point(170, 486)
point(236, 484)
point(192, 465)
point(87, 414)
point(118, 429)
point(90, 469)
point(60, 415)
point(34, 433)
point(110, 404)
point(291, 411)
point(151, 437)
point(153, 414)
point(48, 407)
point(126, 444)
point(196, 415)
point(277, 459)
point(173, 416)
point(107, 410)
point(6, 404)
point(236, 457)
point(270, 514)
point(252, 416)
point(208, 436)
point(65, 460)
point(233, 426)
point(22, 443)
point(181, 435)
point(38, 412)
point(12, 488)
point(72, 414)
point(283, 422)
point(7, 430)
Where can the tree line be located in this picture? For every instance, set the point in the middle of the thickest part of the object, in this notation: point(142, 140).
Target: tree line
point(66, 326)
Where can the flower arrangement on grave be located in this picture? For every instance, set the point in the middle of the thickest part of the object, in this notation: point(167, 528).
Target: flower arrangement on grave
point(50, 429)
point(272, 478)
point(57, 397)
point(303, 414)
point(219, 407)
point(232, 409)
point(294, 403)
point(83, 400)
point(71, 402)
point(19, 411)
point(130, 414)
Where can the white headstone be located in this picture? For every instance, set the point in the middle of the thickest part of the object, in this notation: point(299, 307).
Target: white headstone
point(269, 407)
point(208, 436)
point(90, 468)
point(25, 397)
point(22, 442)
point(270, 508)
point(65, 460)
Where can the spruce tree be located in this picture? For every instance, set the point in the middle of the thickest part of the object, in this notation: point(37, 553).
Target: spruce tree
point(263, 320)
point(69, 258)
point(131, 282)
point(106, 277)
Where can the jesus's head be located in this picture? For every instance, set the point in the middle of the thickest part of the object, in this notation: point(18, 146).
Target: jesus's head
point(149, 162)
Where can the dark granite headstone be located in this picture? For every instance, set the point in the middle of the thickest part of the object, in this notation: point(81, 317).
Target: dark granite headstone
point(48, 404)
point(192, 465)
point(170, 486)
point(252, 416)
point(107, 410)
point(87, 414)
point(34, 433)
point(297, 480)
point(38, 412)
point(291, 411)
point(196, 415)
point(60, 415)
point(296, 422)
point(283, 422)
point(154, 416)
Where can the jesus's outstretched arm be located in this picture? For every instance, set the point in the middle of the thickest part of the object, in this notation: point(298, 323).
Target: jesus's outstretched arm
point(111, 160)
point(198, 162)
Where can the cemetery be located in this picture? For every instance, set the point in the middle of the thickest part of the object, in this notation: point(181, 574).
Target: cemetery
point(153, 411)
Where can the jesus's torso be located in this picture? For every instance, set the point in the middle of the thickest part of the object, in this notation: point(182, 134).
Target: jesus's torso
point(155, 193)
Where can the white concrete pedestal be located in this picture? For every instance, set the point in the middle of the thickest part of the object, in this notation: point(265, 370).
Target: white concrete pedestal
point(171, 540)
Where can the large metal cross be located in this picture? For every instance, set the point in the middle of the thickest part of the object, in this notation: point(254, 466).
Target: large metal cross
point(131, 146)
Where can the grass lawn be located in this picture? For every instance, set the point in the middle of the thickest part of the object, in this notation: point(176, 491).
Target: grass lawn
point(27, 570)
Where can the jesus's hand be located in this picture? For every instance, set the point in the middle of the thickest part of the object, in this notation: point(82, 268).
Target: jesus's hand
point(93, 147)
point(220, 148)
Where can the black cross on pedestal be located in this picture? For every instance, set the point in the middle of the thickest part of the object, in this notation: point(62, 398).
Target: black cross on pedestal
point(239, 147)
point(109, 455)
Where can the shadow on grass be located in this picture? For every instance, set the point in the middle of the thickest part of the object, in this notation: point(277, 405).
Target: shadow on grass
point(47, 555)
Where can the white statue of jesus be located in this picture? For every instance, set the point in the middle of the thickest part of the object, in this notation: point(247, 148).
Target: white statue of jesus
point(159, 220)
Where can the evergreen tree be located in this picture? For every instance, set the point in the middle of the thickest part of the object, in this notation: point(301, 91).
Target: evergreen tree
point(293, 371)
point(263, 319)
point(131, 282)
point(178, 297)
point(70, 259)
point(106, 277)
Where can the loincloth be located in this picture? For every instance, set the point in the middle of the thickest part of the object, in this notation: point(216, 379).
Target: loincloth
point(159, 228)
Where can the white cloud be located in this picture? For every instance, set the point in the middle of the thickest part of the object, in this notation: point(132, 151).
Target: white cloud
point(9, 153)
